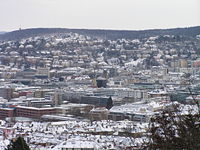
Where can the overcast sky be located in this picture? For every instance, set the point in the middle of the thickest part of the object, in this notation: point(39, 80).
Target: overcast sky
point(101, 14)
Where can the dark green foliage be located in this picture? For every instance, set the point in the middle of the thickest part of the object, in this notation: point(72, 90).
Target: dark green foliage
point(109, 103)
point(150, 61)
point(18, 144)
point(172, 131)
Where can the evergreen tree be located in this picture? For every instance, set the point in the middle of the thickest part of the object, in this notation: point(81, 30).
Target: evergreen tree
point(109, 103)
point(18, 144)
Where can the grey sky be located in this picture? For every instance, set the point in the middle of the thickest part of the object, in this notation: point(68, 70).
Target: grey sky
point(101, 14)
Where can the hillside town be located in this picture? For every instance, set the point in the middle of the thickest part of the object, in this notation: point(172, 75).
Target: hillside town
point(70, 91)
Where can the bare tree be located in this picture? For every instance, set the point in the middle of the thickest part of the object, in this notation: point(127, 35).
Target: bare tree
point(175, 128)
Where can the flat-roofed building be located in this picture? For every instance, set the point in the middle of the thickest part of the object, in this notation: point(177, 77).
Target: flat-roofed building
point(100, 113)
point(6, 112)
point(32, 112)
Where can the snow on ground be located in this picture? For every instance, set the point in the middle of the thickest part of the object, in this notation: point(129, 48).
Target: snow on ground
point(54, 135)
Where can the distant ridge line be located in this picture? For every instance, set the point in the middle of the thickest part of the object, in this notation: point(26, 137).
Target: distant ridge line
point(103, 33)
